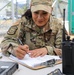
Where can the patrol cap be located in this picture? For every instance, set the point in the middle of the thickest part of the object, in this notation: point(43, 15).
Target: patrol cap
point(41, 5)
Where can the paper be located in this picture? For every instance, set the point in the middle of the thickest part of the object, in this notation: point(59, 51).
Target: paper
point(32, 62)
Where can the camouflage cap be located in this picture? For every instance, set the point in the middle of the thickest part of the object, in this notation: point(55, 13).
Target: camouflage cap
point(41, 5)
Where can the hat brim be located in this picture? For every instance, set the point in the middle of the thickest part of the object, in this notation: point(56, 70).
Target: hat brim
point(41, 7)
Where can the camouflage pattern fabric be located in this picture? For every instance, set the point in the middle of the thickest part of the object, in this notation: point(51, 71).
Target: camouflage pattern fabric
point(44, 2)
point(45, 5)
point(49, 36)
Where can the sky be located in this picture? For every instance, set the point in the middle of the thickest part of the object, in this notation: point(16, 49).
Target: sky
point(22, 1)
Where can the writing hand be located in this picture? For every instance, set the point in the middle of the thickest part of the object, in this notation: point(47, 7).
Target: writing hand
point(21, 51)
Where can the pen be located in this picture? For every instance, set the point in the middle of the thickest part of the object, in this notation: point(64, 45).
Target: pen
point(20, 41)
point(22, 44)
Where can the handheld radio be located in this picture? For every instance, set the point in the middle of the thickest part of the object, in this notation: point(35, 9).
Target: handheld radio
point(67, 52)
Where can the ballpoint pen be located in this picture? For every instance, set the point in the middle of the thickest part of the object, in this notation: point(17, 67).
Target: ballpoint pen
point(22, 44)
point(20, 41)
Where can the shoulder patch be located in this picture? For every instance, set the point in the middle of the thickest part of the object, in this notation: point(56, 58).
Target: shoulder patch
point(12, 30)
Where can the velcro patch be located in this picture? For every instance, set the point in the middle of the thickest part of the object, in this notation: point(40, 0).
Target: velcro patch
point(12, 30)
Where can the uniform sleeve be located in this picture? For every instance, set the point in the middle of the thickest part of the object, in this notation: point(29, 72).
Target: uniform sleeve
point(59, 34)
point(58, 39)
point(50, 50)
point(10, 39)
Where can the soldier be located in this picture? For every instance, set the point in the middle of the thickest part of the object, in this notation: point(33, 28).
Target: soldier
point(37, 33)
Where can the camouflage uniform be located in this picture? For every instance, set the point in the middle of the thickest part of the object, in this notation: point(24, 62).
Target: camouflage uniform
point(49, 36)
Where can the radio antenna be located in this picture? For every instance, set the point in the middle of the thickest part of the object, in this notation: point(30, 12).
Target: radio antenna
point(63, 37)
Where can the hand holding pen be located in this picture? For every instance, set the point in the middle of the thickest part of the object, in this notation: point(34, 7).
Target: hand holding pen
point(26, 46)
point(21, 50)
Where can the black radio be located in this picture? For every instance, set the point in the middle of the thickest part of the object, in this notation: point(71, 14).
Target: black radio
point(67, 53)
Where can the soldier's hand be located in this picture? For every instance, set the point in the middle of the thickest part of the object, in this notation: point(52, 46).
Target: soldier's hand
point(38, 52)
point(21, 51)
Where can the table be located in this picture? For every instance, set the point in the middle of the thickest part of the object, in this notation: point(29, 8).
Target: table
point(22, 70)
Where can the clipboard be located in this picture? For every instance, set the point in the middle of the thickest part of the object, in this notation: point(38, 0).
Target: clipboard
point(38, 62)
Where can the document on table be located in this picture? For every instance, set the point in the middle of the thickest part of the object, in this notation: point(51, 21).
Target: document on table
point(33, 62)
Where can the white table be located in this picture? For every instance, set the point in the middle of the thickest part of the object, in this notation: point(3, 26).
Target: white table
point(26, 71)
point(22, 70)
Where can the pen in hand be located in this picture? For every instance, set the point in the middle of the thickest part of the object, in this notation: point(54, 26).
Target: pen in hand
point(20, 41)
point(23, 44)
